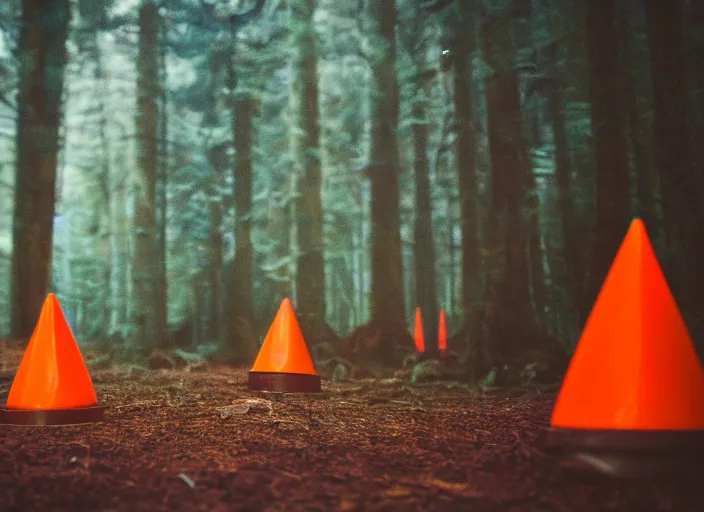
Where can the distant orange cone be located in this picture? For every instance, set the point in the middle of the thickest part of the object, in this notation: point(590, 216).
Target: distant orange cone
point(284, 363)
point(418, 332)
point(442, 332)
point(635, 379)
point(52, 385)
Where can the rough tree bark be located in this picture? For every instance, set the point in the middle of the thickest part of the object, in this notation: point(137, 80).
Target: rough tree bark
point(387, 308)
point(42, 61)
point(145, 328)
point(681, 189)
point(609, 133)
point(305, 149)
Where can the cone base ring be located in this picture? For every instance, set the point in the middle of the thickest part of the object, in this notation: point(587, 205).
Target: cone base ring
point(284, 382)
point(628, 453)
point(47, 417)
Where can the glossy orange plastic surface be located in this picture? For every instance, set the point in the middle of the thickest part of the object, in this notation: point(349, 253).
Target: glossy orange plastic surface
point(418, 332)
point(635, 366)
point(442, 332)
point(52, 374)
point(284, 350)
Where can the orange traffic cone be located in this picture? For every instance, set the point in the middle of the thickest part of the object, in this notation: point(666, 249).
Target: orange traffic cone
point(442, 332)
point(635, 386)
point(418, 332)
point(52, 385)
point(284, 363)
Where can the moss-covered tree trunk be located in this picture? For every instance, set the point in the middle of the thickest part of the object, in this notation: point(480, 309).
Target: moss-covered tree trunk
point(42, 60)
point(305, 149)
point(609, 134)
point(144, 320)
point(681, 187)
point(387, 308)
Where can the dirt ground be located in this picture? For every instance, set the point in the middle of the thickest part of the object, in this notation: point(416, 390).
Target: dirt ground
point(199, 440)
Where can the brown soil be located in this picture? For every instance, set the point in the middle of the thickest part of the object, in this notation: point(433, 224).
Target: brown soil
point(199, 440)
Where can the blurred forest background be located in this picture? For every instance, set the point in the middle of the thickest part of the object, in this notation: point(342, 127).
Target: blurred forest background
point(173, 169)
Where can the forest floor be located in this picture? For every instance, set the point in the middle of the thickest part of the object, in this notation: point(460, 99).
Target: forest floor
point(199, 440)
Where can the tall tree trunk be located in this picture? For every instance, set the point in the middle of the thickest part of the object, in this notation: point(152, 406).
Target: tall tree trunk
point(510, 336)
point(424, 248)
point(145, 334)
point(305, 149)
point(508, 318)
point(162, 290)
point(608, 122)
point(105, 183)
point(242, 312)
point(218, 159)
point(118, 254)
point(463, 48)
point(563, 174)
point(681, 190)
point(218, 162)
point(387, 308)
point(42, 61)
point(508, 276)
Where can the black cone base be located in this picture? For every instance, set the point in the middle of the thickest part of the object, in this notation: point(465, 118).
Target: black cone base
point(27, 417)
point(284, 382)
point(629, 453)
